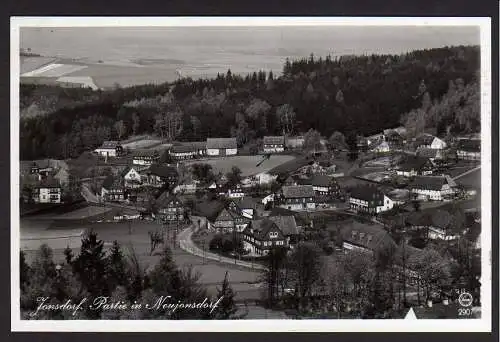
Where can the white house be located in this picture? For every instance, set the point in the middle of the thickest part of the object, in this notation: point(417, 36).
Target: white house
point(370, 200)
point(132, 177)
point(430, 141)
point(383, 147)
point(273, 144)
point(235, 192)
point(469, 149)
point(109, 149)
point(47, 192)
point(297, 197)
point(438, 144)
point(221, 147)
point(435, 188)
point(146, 157)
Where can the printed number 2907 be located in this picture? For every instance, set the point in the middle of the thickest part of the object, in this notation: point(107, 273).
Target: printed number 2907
point(464, 312)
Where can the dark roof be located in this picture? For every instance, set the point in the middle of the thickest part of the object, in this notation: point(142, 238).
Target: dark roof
point(366, 193)
point(48, 183)
point(246, 203)
point(368, 236)
point(413, 163)
point(298, 191)
point(469, 145)
point(261, 227)
point(274, 140)
point(162, 170)
point(439, 311)
point(208, 209)
point(277, 211)
point(111, 182)
point(165, 198)
point(182, 148)
point(321, 180)
point(110, 144)
point(286, 224)
point(216, 143)
point(425, 139)
point(146, 153)
point(429, 182)
point(433, 217)
point(428, 153)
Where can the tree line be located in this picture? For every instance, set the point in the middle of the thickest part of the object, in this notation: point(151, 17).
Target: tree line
point(362, 94)
point(117, 276)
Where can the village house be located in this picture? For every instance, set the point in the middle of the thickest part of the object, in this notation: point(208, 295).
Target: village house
point(366, 238)
point(435, 188)
point(262, 235)
point(246, 206)
point(186, 188)
point(235, 191)
point(469, 149)
point(228, 220)
point(297, 197)
point(160, 175)
point(204, 213)
point(288, 226)
point(430, 141)
point(432, 154)
point(47, 191)
point(221, 147)
point(189, 150)
point(296, 142)
point(323, 185)
point(273, 144)
point(382, 147)
point(110, 149)
point(415, 166)
point(262, 178)
point(170, 208)
point(369, 199)
point(132, 177)
point(113, 189)
point(362, 144)
point(394, 139)
point(145, 157)
point(436, 224)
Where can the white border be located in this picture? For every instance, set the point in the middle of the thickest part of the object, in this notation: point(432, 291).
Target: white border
point(463, 325)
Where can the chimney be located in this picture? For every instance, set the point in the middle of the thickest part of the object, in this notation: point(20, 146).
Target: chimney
point(429, 303)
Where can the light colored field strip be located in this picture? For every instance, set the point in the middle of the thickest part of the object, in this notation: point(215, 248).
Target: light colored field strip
point(54, 70)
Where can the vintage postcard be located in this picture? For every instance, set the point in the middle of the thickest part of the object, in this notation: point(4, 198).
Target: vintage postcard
point(251, 174)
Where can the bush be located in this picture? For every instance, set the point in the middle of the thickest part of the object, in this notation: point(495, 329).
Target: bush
point(215, 243)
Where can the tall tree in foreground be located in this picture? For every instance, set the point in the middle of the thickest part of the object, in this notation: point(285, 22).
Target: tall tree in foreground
point(227, 307)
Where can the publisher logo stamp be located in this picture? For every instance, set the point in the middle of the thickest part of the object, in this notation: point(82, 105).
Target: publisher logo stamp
point(465, 299)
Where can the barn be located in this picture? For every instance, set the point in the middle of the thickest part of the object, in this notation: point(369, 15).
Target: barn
point(221, 147)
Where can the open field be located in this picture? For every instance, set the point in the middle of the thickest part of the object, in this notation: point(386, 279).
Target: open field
point(247, 164)
point(211, 273)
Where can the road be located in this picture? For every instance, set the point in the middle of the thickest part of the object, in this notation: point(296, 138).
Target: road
point(467, 172)
point(186, 244)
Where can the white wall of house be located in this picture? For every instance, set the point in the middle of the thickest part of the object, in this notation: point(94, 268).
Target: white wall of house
point(436, 195)
point(322, 189)
point(140, 161)
point(235, 194)
point(49, 195)
point(267, 199)
point(132, 175)
point(106, 152)
point(183, 155)
point(350, 247)
point(273, 148)
point(438, 144)
point(265, 178)
point(213, 151)
point(388, 205)
point(411, 173)
point(231, 151)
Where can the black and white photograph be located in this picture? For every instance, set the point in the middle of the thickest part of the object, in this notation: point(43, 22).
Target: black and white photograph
point(251, 174)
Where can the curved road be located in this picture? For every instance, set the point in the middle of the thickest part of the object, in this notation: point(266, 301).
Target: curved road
point(186, 244)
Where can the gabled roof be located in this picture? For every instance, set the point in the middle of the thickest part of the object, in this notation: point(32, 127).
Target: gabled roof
point(146, 154)
point(182, 148)
point(433, 217)
point(286, 224)
point(262, 227)
point(366, 193)
point(413, 163)
point(298, 191)
point(165, 199)
point(368, 236)
point(430, 182)
point(48, 183)
point(273, 140)
point(112, 182)
point(428, 153)
point(110, 145)
point(162, 170)
point(322, 180)
point(437, 311)
point(469, 145)
point(217, 143)
point(425, 139)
